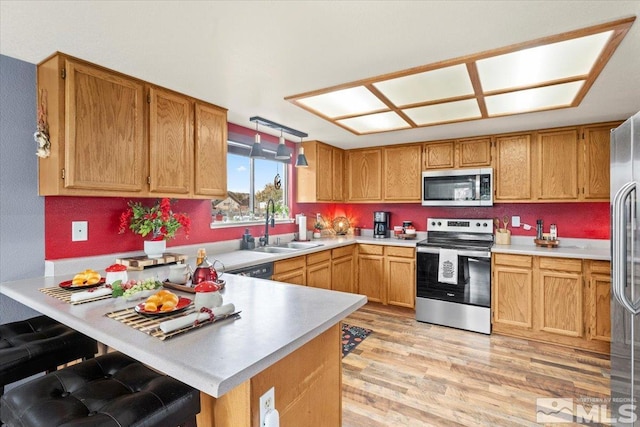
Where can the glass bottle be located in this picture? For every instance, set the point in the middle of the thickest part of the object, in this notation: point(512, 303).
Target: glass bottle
point(204, 272)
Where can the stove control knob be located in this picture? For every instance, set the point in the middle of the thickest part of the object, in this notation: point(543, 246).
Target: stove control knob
point(477, 224)
point(484, 224)
point(433, 223)
point(439, 223)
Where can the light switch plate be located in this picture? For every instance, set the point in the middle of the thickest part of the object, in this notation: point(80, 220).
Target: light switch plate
point(79, 231)
point(515, 221)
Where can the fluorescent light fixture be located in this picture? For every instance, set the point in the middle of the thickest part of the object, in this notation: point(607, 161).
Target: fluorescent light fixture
point(372, 123)
point(347, 102)
point(541, 98)
point(442, 113)
point(543, 74)
point(441, 83)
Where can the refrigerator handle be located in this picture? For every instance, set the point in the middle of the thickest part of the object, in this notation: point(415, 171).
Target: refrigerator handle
point(618, 245)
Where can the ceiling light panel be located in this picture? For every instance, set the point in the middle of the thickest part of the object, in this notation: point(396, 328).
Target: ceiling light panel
point(542, 98)
point(379, 122)
point(346, 102)
point(442, 83)
point(446, 112)
point(527, 67)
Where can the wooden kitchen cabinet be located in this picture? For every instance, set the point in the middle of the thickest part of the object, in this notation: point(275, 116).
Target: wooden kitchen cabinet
point(210, 150)
point(322, 180)
point(598, 300)
point(557, 167)
point(560, 303)
point(596, 149)
point(386, 274)
point(319, 269)
point(461, 153)
point(550, 299)
point(364, 175)
point(400, 276)
point(512, 174)
point(114, 135)
point(96, 129)
point(371, 272)
point(170, 142)
point(291, 270)
point(512, 293)
point(438, 155)
point(343, 269)
point(402, 172)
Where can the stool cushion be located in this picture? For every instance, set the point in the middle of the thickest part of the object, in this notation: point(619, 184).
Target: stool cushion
point(109, 391)
point(36, 345)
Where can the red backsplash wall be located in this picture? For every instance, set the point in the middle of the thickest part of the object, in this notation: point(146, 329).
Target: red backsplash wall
point(582, 220)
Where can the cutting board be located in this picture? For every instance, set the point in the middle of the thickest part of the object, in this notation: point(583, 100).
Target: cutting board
point(142, 262)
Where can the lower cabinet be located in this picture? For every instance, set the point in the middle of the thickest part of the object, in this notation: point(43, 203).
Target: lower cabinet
point(386, 274)
point(319, 269)
point(558, 300)
point(343, 268)
point(291, 270)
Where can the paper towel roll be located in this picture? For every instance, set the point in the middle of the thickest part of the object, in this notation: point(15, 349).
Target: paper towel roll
point(302, 227)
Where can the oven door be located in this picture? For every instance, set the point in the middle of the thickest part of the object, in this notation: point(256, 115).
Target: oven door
point(473, 286)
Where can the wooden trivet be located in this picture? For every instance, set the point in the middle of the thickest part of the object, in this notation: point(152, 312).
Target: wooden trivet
point(142, 262)
point(65, 295)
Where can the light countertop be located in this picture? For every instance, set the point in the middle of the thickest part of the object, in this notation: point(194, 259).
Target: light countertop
point(276, 320)
point(568, 248)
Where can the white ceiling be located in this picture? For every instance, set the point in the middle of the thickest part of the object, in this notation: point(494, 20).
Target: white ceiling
point(248, 55)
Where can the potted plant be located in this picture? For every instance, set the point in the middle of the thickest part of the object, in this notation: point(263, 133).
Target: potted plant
point(158, 223)
point(317, 230)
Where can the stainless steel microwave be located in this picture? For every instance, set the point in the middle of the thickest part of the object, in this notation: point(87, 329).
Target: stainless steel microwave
point(461, 187)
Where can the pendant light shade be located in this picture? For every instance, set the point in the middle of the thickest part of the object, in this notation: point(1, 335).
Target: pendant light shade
point(256, 148)
point(281, 152)
point(301, 161)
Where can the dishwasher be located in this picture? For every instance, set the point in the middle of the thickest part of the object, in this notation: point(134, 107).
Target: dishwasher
point(260, 271)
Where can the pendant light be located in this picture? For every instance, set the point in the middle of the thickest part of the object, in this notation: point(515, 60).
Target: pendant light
point(281, 152)
point(256, 148)
point(301, 161)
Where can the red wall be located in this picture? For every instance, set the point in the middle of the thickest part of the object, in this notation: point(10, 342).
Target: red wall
point(582, 220)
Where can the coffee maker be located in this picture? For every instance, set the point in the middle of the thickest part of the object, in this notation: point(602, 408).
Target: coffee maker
point(381, 227)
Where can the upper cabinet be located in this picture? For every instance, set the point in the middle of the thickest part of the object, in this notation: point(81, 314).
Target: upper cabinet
point(557, 167)
point(512, 174)
point(461, 153)
point(322, 180)
point(114, 135)
point(402, 173)
point(364, 175)
point(596, 149)
point(210, 151)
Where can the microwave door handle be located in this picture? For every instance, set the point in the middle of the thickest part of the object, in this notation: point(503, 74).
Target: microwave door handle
point(619, 249)
point(478, 180)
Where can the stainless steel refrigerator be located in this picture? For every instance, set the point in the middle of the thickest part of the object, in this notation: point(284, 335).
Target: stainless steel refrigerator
point(625, 273)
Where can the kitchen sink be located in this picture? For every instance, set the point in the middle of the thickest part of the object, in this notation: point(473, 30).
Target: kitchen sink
point(289, 247)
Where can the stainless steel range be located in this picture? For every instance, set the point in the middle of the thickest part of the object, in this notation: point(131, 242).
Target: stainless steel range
point(453, 274)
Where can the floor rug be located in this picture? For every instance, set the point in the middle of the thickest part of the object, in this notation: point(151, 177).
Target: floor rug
point(352, 336)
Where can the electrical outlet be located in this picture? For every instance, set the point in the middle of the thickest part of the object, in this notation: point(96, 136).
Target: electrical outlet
point(515, 221)
point(79, 231)
point(267, 402)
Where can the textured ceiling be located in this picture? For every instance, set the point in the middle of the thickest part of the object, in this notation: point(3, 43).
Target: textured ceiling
point(247, 56)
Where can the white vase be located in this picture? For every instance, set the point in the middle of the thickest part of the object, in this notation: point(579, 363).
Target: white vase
point(155, 248)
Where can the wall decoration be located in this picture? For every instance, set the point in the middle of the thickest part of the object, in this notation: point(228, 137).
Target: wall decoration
point(41, 136)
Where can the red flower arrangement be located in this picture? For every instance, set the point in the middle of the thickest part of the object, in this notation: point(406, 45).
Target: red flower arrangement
point(158, 220)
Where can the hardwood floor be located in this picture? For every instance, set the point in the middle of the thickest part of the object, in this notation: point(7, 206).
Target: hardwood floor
point(408, 373)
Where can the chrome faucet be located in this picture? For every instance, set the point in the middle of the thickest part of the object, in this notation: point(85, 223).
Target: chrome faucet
point(264, 240)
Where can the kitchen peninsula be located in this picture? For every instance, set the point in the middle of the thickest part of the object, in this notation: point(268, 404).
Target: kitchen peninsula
point(287, 337)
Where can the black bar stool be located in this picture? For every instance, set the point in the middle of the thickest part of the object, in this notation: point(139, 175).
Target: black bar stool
point(39, 344)
point(107, 391)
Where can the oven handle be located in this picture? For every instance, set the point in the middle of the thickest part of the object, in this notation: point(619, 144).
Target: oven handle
point(461, 252)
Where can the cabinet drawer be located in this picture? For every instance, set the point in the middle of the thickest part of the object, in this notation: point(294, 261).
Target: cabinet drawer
point(514, 260)
point(370, 249)
point(343, 251)
point(318, 257)
point(562, 264)
point(289, 264)
point(400, 252)
point(602, 267)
